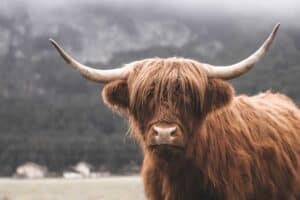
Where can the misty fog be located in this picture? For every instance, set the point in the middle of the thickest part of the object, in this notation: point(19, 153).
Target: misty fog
point(286, 11)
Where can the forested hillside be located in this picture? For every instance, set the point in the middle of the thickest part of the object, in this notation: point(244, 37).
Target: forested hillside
point(50, 115)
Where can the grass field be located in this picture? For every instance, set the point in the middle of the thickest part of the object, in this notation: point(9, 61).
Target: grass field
point(110, 188)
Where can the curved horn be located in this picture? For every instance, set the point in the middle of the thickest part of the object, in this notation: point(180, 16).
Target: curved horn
point(233, 71)
point(97, 75)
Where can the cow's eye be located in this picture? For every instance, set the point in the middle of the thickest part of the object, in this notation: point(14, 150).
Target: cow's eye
point(149, 95)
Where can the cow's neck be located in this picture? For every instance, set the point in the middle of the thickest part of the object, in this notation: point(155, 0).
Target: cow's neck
point(184, 180)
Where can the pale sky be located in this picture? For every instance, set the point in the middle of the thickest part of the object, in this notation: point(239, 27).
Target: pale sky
point(281, 10)
point(272, 6)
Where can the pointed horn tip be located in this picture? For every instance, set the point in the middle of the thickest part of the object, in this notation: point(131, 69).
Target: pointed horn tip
point(273, 33)
point(53, 42)
point(276, 27)
point(64, 55)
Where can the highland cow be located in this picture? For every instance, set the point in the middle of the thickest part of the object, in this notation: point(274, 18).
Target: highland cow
point(199, 140)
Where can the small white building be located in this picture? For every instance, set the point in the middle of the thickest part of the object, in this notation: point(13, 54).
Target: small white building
point(71, 175)
point(83, 168)
point(31, 170)
point(80, 170)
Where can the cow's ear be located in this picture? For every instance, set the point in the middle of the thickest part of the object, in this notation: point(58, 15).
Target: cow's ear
point(218, 94)
point(116, 96)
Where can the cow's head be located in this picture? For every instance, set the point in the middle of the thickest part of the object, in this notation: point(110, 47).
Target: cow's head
point(166, 100)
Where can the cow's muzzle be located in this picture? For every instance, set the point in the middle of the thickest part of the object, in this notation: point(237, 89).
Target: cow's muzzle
point(165, 136)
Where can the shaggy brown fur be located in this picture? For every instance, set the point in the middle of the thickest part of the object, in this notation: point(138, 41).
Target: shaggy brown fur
point(235, 147)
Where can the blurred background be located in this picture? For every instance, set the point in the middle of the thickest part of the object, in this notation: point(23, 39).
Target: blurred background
point(51, 116)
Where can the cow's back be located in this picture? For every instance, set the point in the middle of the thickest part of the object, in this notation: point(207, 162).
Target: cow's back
point(252, 147)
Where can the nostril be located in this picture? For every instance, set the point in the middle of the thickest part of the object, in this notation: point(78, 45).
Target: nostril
point(173, 133)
